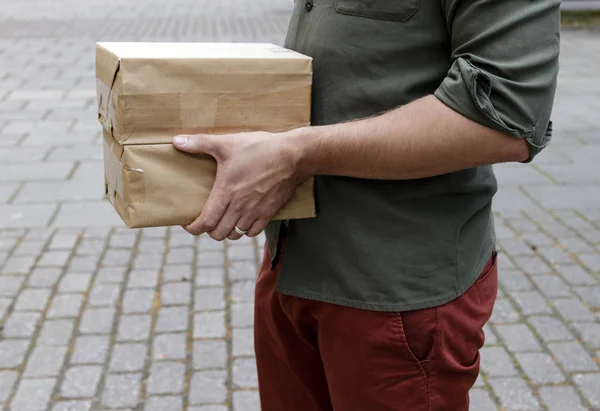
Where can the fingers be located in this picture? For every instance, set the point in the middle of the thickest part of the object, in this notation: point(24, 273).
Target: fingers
point(211, 215)
point(196, 144)
point(225, 225)
point(257, 228)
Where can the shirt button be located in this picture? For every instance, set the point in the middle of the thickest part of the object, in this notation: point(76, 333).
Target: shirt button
point(309, 6)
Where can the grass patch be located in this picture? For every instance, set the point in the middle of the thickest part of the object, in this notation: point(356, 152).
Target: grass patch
point(580, 18)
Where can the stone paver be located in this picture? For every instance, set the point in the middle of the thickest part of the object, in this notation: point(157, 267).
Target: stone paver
point(94, 316)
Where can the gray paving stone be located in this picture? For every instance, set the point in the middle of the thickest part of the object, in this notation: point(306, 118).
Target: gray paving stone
point(210, 354)
point(518, 337)
point(242, 253)
point(90, 350)
point(42, 171)
point(561, 398)
point(148, 262)
point(10, 286)
point(32, 300)
point(33, 394)
point(116, 258)
point(91, 246)
point(23, 216)
point(75, 283)
point(246, 400)
point(97, 321)
point(44, 277)
point(210, 277)
point(208, 387)
point(514, 394)
point(166, 378)
point(176, 273)
point(143, 279)
point(591, 295)
point(5, 304)
point(210, 258)
point(504, 313)
point(176, 293)
point(555, 255)
point(180, 255)
point(30, 249)
point(481, 401)
point(127, 357)
point(81, 381)
point(111, 275)
point(55, 333)
point(63, 241)
point(123, 240)
point(540, 368)
point(243, 342)
point(83, 264)
point(163, 404)
point(572, 309)
point(572, 357)
point(591, 261)
point(66, 305)
point(532, 265)
point(244, 373)
point(514, 280)
point(169, 347)
point(103, 295)
point(242, 315)
point(152, 245)
point(209, 408)
point(73, 406)
point(552, 286)
point(531, 302)
point(209, 324)
point(495, 362)
point(12, 353)
point(21, 325)
point(134, 327)
point(209, 299)
point(550, 328)
point(588, 384)
point(576, 245)
point(19, 264)
point(121, 390)
point(242, 291)
point(138, 301)
point(590, 333)
point(54, 259)
point(45, 361)
point(172, 319)
point(181, 238)
point(87, 214)
point(7, 380)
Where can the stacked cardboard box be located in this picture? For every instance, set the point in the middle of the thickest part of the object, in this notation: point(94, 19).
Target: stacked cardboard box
point(150, 92)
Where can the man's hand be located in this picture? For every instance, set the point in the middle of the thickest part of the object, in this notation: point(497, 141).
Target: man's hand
point(256, 176)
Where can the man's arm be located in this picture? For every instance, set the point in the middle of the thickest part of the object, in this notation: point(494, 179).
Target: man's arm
point(493, 106)
point(422, 139)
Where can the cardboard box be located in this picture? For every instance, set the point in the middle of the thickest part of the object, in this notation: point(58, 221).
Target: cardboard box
point(149, 92)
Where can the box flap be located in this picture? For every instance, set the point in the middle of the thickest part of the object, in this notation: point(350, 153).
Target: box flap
point(107, 70)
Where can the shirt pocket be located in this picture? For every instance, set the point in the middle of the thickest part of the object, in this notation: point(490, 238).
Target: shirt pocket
point(392, 10)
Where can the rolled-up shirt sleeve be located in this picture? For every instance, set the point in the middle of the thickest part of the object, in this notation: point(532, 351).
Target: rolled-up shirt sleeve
point(504, 65)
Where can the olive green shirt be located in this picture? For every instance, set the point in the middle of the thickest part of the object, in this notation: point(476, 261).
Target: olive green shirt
point(401, 245)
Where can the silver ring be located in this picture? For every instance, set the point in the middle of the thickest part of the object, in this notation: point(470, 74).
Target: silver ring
point(240, 232)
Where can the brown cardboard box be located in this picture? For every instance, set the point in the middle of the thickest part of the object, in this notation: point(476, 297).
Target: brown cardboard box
point(149, 92)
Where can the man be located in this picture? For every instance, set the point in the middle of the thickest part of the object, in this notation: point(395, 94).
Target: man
point(379, 302)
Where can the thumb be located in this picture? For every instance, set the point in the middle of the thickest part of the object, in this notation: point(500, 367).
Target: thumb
point(196, 144)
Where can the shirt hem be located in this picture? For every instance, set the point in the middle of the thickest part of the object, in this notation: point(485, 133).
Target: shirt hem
point(389, 307)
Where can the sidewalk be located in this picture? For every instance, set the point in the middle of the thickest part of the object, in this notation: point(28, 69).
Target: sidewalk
point(97, 317)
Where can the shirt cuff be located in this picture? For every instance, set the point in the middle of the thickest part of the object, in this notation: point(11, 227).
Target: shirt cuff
point(468, 89)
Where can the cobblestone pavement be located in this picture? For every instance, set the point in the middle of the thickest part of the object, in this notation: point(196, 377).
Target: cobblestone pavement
point(97, 317)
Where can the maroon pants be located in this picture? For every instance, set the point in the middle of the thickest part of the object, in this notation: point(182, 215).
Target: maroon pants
point(315, 356)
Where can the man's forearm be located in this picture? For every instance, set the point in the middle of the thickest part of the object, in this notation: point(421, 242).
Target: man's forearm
point(421, 139)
